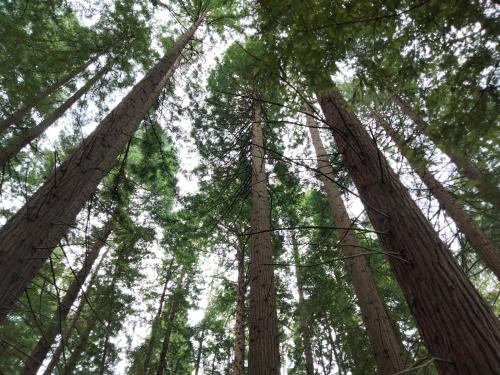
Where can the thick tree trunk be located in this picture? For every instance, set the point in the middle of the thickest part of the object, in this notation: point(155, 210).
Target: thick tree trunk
point(22, 111)
point(43, 346)
point(18, 142)
point(459, 329)
point(156, 319)
point(485, 186)
point(263, 355)
point(29, 237)
point(384, 341)
point(74, 320)
point(172, 312)
point(303, 317)
point(239, 329)
point(476, 237)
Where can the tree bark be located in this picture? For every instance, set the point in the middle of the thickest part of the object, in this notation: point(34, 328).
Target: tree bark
point(29, 237)
point(485, 248)
point(239, 329)
point(484, 185)
point(74, 320)
point(263, 356)
point(172, 312)
point(22, 111)
point(18, 142)
point(156, 319)
point(459, 329)
point(303, 317)
point(385, 344)
point(34, 361)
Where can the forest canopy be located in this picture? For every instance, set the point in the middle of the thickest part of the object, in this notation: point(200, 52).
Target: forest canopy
point(261, 187)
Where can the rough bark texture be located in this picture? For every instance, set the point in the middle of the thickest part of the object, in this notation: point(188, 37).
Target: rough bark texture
point(28, 238)
point(22, 111)
point(486, 187)
point(385, 344)
point(475, 236)
point(18, 142)
point(56, 354)
point(43, 346)
point(156, 319)
point(172, 312)
point(263, 355)
point(459, 329)
point(239, 329)
point(303, 318)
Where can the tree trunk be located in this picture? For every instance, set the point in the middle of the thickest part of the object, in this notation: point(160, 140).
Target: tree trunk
point(460, 331)
point(198, 352)
point(69, 331)
point(156, 319)
point(73, 360)
point(18, 142)
point(22, 111)
point(486, 187)
point(385, 344)
point(43, 346)
point(486, 250)
point(263, 355)
point(303, 317)
point(29, 237)
point(239, 329)
point(172, 312)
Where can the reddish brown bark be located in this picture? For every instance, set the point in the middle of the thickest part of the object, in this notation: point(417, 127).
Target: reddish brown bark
point(43, 346)
point(22, 111)
point(486, 187)
point(18, 142)
point(303, 317)
point(459, 329)
point(239, 329)
point(156, 319)
point(475, 236)
point(28, 238)
point(263, 355)
point(384, 341)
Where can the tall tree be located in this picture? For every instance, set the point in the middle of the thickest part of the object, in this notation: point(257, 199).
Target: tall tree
point(441, 298)
point(46, 217)
point(239, 326)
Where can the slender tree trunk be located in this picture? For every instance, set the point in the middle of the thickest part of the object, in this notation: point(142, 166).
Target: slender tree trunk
point(75, 356)
point(486, 187)
point(263, 355)
point(303, 316)
point(384, 341)
point(198, 352)
point(18, 142)
point(172, 312)
point(69, 331)
point(156, 319)
point(476, 237)
point(459, 329)
point(22, 111)
point(43, 346)
point(239, 329)
point(29, 237)
point(333, 345)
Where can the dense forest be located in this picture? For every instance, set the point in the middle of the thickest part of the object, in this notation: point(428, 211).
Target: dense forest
point(262, 187)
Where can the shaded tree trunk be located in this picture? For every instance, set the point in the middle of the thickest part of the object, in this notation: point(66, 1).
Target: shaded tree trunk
point(18, 142)
point(239, 329)
point(385, 344)
point(485, 248)
point(486, 187)
point(303, 316)
point(43, 346)
point(22, 111)
point(29, 237)
point(76, 355)
point(459, 329)
point(156, 319)
point(198, 352)
point(172, 312)
point(56, 355)
point(263, 355)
